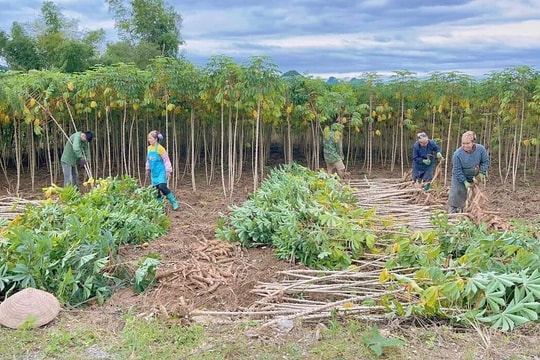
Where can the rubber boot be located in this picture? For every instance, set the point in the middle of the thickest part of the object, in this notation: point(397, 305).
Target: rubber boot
point(172, 199)
point(427, 187)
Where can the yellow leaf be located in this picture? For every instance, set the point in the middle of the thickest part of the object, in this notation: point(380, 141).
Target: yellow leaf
point(70, 86)
point(170, 107)
point(93, 104)
point(378, 132)
point(348, 305)
point(255, 114)
point(385, 276)
point(430, 296)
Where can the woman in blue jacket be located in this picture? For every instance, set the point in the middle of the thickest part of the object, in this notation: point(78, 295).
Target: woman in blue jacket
point(468, 161)
point(425, 153)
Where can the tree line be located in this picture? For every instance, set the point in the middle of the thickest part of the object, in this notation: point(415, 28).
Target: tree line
point(226, 118)
point(146, 29)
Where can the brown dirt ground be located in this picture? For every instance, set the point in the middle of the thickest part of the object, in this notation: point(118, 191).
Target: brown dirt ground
point(199, 272)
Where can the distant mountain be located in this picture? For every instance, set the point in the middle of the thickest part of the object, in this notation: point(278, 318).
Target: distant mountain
point(333, 80)
point(291, 73)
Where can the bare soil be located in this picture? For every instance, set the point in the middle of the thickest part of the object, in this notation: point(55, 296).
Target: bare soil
point(199, 272)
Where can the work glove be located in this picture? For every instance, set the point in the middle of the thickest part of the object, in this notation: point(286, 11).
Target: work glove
point(426, 161)
point(83, 162)
point(439, 155)
point(467, 185)
point(481, 177)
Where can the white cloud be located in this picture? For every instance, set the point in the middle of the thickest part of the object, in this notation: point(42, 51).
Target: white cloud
point(522, 34)
point(339, 36)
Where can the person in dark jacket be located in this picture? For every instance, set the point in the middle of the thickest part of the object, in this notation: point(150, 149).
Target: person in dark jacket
point(469, 161)
point(426, 152)
point(76, 151)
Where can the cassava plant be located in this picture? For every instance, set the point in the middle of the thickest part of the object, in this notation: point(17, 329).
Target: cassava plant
point(68, 244)
point(307, 216)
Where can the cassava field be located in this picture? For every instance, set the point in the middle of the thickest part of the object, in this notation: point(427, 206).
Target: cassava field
point(306, 267)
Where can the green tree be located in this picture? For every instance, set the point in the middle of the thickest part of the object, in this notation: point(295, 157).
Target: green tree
point(124, 52)
point(54, 43)
point(19, 50)
point(151, 21)
point(59, 45)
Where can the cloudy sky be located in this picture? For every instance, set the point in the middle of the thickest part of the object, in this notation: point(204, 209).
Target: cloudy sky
point(343, 38)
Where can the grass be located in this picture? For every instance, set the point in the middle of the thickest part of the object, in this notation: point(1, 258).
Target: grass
point(127, 336)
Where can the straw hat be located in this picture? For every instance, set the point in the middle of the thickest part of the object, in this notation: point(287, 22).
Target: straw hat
point(36, 307)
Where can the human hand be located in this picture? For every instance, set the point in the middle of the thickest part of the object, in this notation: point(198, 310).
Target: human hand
point(481, 177)
point(83, 163)
point(467, 185)
point(426, 161)
point(439, 155)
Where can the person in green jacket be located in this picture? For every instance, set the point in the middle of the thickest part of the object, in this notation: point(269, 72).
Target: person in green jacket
point(76, 152)
point(333, 148)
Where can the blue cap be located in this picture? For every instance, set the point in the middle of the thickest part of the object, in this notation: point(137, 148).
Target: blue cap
point(89, 136)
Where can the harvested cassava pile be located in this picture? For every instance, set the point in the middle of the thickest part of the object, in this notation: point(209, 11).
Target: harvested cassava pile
point(208, 266)
point(477, 209)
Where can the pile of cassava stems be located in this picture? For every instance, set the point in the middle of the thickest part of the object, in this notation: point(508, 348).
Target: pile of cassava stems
point(11, 206)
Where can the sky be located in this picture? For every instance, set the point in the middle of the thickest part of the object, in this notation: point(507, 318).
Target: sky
point(341, 38)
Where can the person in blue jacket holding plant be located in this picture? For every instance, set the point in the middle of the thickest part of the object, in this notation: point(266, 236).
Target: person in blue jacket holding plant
point(470, 161)
point(158, 166)
point(426, 152)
